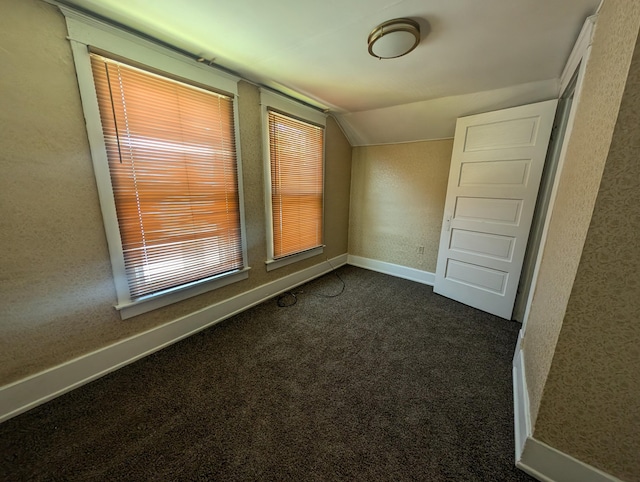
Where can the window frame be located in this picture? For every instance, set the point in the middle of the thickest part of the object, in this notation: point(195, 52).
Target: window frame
point(87, 33)
point(304, 113)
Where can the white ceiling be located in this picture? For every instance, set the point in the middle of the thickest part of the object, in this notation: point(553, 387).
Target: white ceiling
point(477, 55)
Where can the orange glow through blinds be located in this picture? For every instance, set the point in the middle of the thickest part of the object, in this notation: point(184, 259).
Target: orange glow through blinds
point(172, 157)
point(296, 155)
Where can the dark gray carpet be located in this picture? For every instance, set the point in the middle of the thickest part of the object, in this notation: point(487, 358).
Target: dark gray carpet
point(386, 382)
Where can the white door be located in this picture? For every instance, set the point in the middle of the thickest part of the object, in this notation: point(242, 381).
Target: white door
point(496, 167)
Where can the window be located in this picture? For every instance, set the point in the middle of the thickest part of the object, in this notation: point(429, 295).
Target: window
point(295, 161)
point(295, 168)
point(167, 166)
point(172, 159)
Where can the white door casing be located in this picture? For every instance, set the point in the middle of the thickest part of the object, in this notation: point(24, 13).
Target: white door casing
point(496, 166)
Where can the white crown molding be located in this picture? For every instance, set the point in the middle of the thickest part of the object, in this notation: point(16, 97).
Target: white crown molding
point(269, 98)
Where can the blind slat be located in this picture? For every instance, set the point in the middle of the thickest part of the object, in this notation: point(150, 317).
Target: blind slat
point(172, 159)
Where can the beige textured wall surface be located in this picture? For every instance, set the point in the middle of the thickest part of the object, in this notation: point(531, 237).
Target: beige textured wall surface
point(337, 188)
point(397, 202)
point(591, 403)
point(56, 287)
point(596, 114)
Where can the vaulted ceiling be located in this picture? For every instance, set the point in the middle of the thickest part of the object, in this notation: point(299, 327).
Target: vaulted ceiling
point(474, 55)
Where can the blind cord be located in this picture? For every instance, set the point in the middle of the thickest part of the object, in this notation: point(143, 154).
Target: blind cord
point(113, 110)
point(290, 298)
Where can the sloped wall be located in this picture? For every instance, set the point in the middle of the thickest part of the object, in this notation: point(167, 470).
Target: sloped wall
point(590, 407)
point(587, 151)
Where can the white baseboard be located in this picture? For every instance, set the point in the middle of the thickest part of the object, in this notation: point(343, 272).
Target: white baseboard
point(521, 412)
point(550, 465)
point(534, 457)
point(32, 391)
point(424, 277)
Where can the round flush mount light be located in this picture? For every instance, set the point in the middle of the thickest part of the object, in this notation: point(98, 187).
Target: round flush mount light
point(394, 38)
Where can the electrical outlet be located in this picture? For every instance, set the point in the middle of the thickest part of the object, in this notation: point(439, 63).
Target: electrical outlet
point(420, 249)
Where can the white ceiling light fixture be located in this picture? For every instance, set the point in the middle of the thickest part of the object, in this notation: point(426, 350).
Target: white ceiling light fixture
point(394, 38)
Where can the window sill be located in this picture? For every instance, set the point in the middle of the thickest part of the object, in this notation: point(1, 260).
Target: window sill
point(293, 258)
point(165, 298)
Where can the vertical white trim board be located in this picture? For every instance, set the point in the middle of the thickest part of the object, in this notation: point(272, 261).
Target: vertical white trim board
point(535, 457)
point(584, 40)
point(424, 277)
point(578, 62)
point(521, 411)
point(22, 395)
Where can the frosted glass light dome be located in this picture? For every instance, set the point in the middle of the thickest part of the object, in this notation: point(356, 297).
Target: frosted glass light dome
point(394, 38)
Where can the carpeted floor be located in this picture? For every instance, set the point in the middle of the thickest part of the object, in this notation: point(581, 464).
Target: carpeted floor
point(384, 382)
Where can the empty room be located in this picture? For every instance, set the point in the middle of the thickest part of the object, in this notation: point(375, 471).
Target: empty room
point(358, 240)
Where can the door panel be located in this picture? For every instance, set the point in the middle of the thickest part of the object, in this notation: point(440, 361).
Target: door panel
point(481, 277)
point(495, 172)
point(488, 210)
point(501, 134)
point(482, 244)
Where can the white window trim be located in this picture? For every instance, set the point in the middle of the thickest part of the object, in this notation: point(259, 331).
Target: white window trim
point(289, 106)
point(293, 258)
point(84, 32)
point(179, 293)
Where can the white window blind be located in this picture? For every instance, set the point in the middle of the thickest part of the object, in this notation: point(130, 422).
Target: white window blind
point(172, 159)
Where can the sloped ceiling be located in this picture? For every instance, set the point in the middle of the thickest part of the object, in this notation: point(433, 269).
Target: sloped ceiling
point(474, 55)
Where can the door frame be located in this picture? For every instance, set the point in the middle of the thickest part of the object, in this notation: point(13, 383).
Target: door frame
point(575, 67)
point(548, 176)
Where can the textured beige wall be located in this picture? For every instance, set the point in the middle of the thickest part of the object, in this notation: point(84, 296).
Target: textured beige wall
point(56, 288)
point(397, 201)
point(596, 114)
point(591, 403)
point(337, 188)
